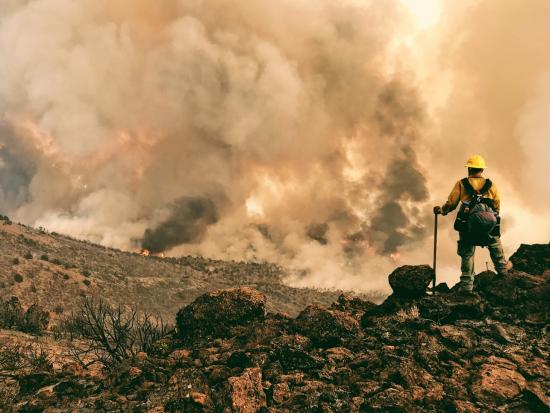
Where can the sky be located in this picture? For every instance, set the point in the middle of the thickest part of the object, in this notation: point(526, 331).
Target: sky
point(316, 134)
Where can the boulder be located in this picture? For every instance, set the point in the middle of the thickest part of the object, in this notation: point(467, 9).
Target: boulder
point(518, 294)
point(326, 328)
point(411, 280)
point(215, 313)
point(532, 259)
point(510, 289)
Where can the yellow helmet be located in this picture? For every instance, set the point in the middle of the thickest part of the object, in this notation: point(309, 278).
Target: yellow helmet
point(476, 161)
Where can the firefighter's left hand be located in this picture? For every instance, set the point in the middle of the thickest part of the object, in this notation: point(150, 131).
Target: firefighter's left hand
point(437, 210)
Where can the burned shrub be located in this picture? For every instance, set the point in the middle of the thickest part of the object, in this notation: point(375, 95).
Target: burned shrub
point(18, 278)
point(33, 357)
point(35, 320)
point(112, 333)
point(11, 313)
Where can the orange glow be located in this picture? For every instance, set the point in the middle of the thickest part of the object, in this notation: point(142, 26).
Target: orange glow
point(146, 253)
point(395, 256)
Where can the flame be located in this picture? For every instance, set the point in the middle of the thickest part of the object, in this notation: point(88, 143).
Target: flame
point(146, 253)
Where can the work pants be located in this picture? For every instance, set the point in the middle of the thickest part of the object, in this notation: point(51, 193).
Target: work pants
point(466, 251)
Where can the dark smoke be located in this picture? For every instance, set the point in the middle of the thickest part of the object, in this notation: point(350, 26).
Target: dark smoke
point(16, 173)
point(189, 218)
point(318, 232)
point(400, 118)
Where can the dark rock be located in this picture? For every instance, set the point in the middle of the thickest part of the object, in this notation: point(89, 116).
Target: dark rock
point(326, 328)
point(451, 307)
point(218, 374)
point(239, 359)
point(291, 352)
point(442, 288)
point(532, 259)
point(411, 280)
point(215, 313)
point(352, 304)
point(517, 294)
point(537, 398)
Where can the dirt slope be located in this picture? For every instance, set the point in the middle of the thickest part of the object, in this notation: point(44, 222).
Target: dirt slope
point(53, 271)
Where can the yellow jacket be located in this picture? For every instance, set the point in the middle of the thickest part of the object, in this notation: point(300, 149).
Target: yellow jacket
point(459, 194)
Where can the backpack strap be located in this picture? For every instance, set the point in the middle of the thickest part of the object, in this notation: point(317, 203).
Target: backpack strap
point(486, 187)
point(469, 188)
point(472, 192)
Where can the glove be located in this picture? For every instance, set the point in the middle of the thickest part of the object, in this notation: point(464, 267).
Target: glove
point(437, 210)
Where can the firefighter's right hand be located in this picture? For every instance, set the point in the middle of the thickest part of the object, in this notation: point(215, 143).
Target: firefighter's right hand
point(437, 210)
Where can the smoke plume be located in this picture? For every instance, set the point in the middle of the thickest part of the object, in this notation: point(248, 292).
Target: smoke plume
point(187, 222)
point(313, 133)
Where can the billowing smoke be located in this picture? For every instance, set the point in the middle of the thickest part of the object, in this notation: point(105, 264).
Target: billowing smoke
point(187, 222)
point(313, 133)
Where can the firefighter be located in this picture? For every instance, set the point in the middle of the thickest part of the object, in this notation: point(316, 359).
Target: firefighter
point(477, 222)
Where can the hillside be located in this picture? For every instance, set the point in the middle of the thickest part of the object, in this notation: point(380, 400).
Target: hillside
point(53, 270)
point(415, 352)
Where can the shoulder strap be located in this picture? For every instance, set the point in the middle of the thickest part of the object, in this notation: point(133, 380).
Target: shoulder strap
point(486, 187)
point(468, 186)
point(472, 192)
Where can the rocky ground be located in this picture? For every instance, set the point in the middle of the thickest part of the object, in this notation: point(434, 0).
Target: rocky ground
point(413, 353)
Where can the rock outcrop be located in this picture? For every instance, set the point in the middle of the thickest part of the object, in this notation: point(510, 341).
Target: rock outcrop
point(214, 314)
point(532, 259)
point(411, 280)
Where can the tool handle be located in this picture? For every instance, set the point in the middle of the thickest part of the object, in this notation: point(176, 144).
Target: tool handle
point(435, 253)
